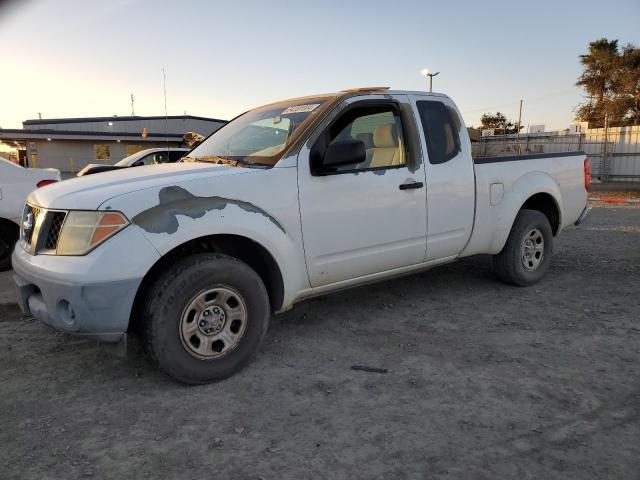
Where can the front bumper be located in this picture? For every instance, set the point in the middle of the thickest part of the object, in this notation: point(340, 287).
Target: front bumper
point(99, 311)
point(85, 295)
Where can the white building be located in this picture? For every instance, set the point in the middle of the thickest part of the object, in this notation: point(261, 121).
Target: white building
point(69, 144)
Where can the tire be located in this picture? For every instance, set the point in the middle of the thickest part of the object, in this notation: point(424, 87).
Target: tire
point(195, 347)
point(525, 257)
point(9, 234)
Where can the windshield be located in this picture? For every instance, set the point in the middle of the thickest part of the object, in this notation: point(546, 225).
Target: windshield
point(260, 136)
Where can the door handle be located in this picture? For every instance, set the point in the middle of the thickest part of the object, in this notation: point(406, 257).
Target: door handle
point(409, 186)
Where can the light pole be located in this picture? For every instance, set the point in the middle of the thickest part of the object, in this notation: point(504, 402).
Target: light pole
point(426, 73)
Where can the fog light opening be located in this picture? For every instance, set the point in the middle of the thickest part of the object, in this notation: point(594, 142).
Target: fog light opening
point(66, 312)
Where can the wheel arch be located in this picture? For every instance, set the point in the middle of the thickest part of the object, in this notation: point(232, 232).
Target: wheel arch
point(243, 248)
point(546, 204)
point(536, 191)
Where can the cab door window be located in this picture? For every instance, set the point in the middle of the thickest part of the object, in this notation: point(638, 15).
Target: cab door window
point(378, 127)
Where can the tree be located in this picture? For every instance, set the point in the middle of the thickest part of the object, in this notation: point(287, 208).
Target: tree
point(499, 123)
point(611, 80)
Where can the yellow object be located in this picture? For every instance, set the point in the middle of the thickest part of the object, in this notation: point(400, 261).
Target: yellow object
point(34, 160)
point(72, 167)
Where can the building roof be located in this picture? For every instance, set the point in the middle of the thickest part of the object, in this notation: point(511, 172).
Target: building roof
point(13, 134)
point(49, 121)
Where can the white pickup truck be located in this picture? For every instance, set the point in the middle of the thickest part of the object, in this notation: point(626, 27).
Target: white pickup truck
point(287, 201)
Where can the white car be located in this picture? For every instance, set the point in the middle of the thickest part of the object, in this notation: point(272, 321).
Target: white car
point(287, 201)
point(149, 156)
point(15, 184)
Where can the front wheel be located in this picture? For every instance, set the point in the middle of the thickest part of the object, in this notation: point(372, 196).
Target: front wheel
point(525, 257)
point(8, 237)
point(205, 317)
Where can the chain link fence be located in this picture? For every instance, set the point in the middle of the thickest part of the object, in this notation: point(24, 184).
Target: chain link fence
point(614, 152)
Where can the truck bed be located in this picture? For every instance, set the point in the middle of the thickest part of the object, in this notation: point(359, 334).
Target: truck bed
point(504, 183)
point(529, 156)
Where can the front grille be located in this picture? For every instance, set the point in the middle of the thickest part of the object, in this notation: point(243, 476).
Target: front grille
point(41, 229)
point(55, 227)
point(35, 214)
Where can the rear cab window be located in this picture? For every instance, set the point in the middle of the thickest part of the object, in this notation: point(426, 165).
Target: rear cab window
point(441, 125)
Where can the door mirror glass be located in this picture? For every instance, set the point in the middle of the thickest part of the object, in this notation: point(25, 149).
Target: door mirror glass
point(344, 152)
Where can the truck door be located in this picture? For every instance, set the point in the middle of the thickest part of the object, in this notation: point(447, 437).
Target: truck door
point(450, 176)
point(365, 218)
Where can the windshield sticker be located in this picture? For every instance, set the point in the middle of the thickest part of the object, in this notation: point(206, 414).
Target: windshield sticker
point(301, 108)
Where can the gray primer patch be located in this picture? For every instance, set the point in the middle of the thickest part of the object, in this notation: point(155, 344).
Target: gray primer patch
point(176, 201)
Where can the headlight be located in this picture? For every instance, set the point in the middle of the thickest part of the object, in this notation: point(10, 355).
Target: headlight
point(83, 231)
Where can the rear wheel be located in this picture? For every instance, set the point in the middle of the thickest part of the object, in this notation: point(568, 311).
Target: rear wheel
point(205, 317)
point(9, 234)
point(525, 257)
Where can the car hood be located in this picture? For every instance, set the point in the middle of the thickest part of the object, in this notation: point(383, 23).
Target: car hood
point(88, 192)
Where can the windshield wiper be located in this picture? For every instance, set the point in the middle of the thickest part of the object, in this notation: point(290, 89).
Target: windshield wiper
point(217, 159)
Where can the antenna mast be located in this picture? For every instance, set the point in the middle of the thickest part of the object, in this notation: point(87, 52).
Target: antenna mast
point(166, 119)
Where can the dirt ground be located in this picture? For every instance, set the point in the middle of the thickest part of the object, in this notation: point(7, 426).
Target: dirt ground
point(483, 381)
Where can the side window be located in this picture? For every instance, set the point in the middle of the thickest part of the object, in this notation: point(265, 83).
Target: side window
point(380, 130)
point(161, 157)
point(146, 160)
point(175, 155)
point(441, 126)
point(154, 158)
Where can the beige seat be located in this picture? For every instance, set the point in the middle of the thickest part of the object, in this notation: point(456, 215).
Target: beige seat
point(366, 138)
point(386, 151)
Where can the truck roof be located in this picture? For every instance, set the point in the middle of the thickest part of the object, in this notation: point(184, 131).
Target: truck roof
point(350, 92)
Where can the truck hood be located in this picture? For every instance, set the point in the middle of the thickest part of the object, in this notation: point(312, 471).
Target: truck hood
point(89, 192)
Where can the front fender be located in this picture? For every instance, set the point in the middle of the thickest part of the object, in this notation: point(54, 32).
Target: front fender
point(174, 215)
point(234, 221)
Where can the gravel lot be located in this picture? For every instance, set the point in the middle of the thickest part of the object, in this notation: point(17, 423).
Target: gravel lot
point(483, 381)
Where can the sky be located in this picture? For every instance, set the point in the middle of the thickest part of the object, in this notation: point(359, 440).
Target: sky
point(76, 58)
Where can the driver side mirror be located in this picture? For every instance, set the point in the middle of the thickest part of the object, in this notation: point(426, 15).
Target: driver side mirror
point(344, 152)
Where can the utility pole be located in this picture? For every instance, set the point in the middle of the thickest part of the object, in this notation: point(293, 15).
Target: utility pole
point(166, 117)
point(605, 167)
point(518, 132)
point(133, 111)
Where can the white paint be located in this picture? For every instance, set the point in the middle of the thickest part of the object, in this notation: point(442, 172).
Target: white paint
point(16, 183)
point(450, 192)
point(359, 224)
point(497, 193)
